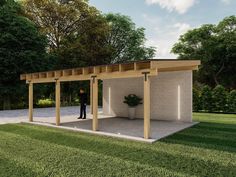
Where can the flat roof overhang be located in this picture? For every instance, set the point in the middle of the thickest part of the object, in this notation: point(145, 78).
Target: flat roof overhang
point(112, 71)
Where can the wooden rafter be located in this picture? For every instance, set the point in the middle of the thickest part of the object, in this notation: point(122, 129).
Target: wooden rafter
point(126, 70)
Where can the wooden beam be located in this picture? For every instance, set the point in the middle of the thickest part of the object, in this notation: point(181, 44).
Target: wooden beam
point(111, 75)
point(95, 103)
point(124, 70)
point(58, 102)
point(30, 102)
point(91, 96)
point(174, 64)
point(186, 68)
point(146, 104)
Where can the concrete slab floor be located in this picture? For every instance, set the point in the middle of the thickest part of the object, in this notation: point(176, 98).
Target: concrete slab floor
point(125, 128)
point(42, 114)
point(115, 127)
point(134, 128)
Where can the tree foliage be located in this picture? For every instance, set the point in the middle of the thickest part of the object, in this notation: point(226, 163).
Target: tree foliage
point(126, 41)
point(22, 49)
point(196, 100)
point(215, 46)
point(86, 48)
point(81, 36)
point(59, 19)
point(232, 101)
point(219, 96)
point(206, 98)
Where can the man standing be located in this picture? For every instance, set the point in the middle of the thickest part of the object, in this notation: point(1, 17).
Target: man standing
point(83, 102)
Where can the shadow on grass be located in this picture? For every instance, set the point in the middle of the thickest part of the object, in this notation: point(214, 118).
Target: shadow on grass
point(140, 154)
point(207, 135)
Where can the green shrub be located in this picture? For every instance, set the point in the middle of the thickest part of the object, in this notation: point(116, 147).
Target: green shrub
point(232, 101)
point(132, 100)
point(206, 98)
point(196, 100)
point(219, 96)
point(43, 103)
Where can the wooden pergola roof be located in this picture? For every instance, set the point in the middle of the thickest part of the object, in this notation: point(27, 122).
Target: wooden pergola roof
point(125, 70)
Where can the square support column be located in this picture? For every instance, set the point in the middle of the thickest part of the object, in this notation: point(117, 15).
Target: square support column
point(91, 96)
point(58, 102)
point(30, 102)
point(95, 102)
point(146, 104)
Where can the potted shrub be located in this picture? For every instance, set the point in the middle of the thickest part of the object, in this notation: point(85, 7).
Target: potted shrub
point(132, 101)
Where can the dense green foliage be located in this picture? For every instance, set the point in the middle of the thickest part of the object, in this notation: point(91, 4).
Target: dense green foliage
point(79, 35)
point(22, 50)
point(215, 46)
point(232, 101)
point(219, 96)
point(207, 149)
point(44, 103)
point(132, 100)
point(76, 31)
point(197, 104)
point(206, 98)
point(125, 40)
point(214, 100)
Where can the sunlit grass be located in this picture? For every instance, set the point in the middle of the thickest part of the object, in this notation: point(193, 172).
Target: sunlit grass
point(207, 149)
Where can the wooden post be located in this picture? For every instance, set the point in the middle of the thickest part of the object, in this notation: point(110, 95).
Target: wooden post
point(91, 96)
point(146, 103)
point(58, 102)
point(30, 102)
point(95, 103)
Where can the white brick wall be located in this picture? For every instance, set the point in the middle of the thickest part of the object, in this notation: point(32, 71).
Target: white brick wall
point(171, 96)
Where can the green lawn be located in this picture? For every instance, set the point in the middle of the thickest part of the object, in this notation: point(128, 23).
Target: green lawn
point(207, 149)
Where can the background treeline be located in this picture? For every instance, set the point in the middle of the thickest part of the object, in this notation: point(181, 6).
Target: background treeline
point(215, 82)
point(217, 99)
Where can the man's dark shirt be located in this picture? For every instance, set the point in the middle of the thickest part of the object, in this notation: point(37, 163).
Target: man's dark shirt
point(83, 98)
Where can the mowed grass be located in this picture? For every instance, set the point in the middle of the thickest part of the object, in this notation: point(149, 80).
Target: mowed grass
point(207, 149)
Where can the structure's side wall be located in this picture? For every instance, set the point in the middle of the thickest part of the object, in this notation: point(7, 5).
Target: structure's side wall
point(171, 96)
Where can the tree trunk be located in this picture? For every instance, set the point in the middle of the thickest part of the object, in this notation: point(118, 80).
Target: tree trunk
point(215, 79)
point(6, 102)
point(218, 73)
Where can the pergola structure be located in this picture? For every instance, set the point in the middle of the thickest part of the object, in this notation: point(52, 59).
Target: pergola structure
point(145, 69)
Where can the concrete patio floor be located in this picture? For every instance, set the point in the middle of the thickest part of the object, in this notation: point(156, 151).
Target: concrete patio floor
point(108, 126)
point(131, 129)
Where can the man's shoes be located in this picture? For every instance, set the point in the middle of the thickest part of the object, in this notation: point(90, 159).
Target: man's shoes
point(79, 118)
point(84, 118)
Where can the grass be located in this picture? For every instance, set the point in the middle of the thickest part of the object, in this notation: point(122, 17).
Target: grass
point(207, 149)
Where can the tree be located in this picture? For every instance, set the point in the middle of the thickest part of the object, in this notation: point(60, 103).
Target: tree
point(75, 30)
point(22, 49)
point(206, 98)
point(58, 19)
point(219, 95)
point(87, 48)
point(215, 46)
point(126, 41)
point(232, 101)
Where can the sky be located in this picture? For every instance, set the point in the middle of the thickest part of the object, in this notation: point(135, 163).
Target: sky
point(166, 20)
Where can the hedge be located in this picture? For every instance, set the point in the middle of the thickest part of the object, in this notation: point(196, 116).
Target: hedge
point(217, 99)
